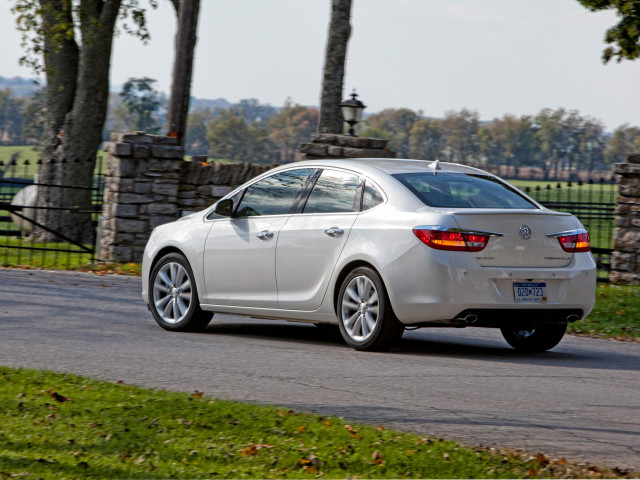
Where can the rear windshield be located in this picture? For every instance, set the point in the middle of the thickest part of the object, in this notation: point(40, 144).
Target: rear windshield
point(462, 190)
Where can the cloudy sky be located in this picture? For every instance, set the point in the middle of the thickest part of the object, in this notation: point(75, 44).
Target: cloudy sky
point(493, 56)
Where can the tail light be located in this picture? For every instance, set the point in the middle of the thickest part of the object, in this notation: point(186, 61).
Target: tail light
point(578, 242)
point(452, 240)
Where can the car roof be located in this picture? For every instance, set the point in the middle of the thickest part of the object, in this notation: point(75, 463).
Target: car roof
point(392, 165)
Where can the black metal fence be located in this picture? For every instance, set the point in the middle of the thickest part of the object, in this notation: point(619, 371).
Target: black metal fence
point(593, 202)
point(26, 235)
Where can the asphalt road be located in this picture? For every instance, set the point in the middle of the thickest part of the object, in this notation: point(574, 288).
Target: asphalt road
point(581, 401)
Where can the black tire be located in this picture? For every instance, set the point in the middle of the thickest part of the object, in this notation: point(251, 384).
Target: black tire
point(173, 296)
point(534, 339)
point(369, 324)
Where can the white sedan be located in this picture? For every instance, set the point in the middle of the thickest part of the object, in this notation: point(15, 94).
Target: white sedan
point(375, 246)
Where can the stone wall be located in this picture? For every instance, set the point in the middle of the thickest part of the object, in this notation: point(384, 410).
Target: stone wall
point(625, 259)
point(328, 145)
point(148, 183)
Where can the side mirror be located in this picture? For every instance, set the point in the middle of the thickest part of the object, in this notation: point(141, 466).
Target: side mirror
point(224, 207)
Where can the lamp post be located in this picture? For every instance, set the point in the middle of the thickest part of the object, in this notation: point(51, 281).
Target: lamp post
point(352, 111)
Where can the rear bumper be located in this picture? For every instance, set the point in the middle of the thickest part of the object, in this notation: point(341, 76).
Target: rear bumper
point(447, 284)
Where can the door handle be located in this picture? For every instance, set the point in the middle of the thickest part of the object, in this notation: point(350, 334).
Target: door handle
point(334, 231)
point(264, 235)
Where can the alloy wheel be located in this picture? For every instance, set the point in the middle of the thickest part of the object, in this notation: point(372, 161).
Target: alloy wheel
point(172, 292)
point(360, 308)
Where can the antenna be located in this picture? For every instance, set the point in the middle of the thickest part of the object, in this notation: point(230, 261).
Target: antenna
point(435, 165)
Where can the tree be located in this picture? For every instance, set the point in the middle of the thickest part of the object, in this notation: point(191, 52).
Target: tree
point(426, 139)
point(333, 76)
point(188, 12)
point(625, 140)
point(196, 137)
point(231, 138)
point(626, 34)
point(75, 41)
point(461, 135)
point(34, 115)
point(10, 117)
point(394, 125)
point(592, 145)
point(253, 111)
point(290, 127)
point(509, 140)
point(140, 101)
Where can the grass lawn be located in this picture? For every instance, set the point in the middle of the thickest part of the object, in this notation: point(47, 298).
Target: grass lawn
point(64, 426)
point(616, 314)
point(549, 191)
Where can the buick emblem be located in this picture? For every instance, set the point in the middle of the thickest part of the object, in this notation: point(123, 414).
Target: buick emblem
point(525, 232)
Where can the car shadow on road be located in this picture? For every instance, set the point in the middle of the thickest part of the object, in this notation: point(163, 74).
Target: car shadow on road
point(593, 354)
point(442, 345)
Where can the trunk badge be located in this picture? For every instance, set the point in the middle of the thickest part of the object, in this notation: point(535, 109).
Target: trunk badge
point(525, 232)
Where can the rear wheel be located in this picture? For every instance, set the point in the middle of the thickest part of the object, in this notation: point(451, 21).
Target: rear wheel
point(534, 339)
point(365, 317)
point(174, 297)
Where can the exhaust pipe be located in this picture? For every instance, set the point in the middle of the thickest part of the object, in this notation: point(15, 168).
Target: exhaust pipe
point(572, 318)
point(467, 319)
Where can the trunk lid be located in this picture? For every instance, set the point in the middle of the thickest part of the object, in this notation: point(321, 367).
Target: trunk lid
point(524, 241)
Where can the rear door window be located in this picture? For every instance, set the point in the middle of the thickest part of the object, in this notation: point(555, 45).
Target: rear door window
point(334, 192)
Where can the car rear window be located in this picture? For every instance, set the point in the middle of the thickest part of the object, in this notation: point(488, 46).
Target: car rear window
point(463, 190)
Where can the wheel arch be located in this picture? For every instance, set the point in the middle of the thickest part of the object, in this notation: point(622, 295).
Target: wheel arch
point(162, 252)
point(343, 274)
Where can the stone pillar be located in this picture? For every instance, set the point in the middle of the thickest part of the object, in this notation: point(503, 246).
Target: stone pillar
point(141, 192)
point(625, 259)
point(328, 145)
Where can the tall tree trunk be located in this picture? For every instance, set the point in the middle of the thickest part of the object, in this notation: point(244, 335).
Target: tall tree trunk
point(61, 68)
point(83, 126)
point(186, 37)
point(334, 61)
point(83, 121)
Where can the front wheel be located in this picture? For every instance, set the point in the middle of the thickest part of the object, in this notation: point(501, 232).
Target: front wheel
point(174, 297)
point(534, 339)
point(365, 317)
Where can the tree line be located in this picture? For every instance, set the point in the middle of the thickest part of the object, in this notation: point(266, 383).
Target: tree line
point(551, 140)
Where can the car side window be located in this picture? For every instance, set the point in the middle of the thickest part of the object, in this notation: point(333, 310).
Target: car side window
point(334, 192)
point(371, 197)
point(273, 195)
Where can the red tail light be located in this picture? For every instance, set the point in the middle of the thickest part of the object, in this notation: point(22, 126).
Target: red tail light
point(457, 241)
point(575, 243)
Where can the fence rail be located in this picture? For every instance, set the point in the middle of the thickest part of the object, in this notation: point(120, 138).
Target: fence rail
point(24, 211)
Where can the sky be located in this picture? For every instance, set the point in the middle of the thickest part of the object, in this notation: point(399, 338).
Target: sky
point(491, 56)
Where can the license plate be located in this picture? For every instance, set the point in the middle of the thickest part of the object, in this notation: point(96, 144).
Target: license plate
point(532, 292)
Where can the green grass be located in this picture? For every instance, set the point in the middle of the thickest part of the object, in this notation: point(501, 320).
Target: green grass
point(596, 192)
point(64, 426)
point(24, 258)
point(616, 314)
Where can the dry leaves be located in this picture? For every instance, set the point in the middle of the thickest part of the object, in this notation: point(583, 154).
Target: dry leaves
point(252, 449)
point(352, 431)
point(376, 458)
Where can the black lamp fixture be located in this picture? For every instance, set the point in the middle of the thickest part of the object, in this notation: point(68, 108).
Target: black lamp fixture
point(352, 111)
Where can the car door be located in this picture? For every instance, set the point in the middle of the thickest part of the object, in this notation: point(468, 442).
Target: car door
point(240, 251)
point(311, 241)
